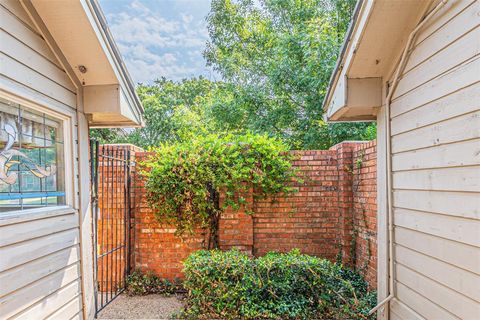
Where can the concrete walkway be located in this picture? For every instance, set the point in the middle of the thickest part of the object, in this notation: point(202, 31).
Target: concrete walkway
point(142, 307)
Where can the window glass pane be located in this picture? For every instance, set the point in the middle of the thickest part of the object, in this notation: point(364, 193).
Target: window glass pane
point(31, 159)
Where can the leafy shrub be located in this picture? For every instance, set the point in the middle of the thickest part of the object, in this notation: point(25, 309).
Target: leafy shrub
point(231, 285)
point(139, 283)
point(184, 180)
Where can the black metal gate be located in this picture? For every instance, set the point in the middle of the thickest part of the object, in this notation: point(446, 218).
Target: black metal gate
point(110, 168)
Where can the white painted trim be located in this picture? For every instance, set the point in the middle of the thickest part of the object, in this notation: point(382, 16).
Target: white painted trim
point(382, 221)
point(344, 64)
point(109, 47)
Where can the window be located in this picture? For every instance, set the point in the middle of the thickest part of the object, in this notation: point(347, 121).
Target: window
point(32, 170)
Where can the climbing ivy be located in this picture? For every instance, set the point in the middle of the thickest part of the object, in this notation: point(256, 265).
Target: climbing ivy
point(184, 180)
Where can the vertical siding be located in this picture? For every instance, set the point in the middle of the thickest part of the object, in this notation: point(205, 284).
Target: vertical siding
point(40, 256)
point(436, 170)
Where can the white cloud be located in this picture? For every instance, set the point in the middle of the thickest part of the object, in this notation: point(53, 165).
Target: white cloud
point(155, 45)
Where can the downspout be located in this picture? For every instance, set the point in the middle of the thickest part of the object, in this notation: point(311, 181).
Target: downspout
point(388, 100)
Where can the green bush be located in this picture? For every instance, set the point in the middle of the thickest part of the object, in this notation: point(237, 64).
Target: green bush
point(184, 180)
point(139, 283)
point(231, 285)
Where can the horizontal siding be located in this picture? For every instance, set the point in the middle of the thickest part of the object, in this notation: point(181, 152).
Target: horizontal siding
point(448, 13)
point(440, 62)
point(465, 127)
point(449, 275)
point(78, 316)
point(463, 18)
point(68, 311)
point(39, 269)
point(465, 153)
point(26, 60)
point(16, 10)
point(454, 302)
point(435, 126)
point(33, 229)
point(22, 275)
point(459, 204)
point(447, 250)
point(448, 227)
point(56, 301)
point(399, 311)
point(423, 306)
point(38, 294)
point(26, 251)
point(21, 52)
point(439, 179)
point(453, 105)
point(458, 78)
point(30, 78)
point(13, 24)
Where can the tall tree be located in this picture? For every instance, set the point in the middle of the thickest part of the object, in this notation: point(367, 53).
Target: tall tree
point(172, 111)
point(275, 58)
point(280, 55)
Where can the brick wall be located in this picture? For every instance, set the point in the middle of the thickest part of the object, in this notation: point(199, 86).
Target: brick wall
point(332, 214)
point(236, 227)
point(307, 219)
point(155, 247)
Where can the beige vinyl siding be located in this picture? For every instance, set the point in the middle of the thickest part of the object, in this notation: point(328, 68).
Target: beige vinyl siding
point(40, 275)
point(435, 122)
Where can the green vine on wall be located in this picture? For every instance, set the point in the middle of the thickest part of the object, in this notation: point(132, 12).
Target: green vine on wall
point(356, 228)
point(184, 180)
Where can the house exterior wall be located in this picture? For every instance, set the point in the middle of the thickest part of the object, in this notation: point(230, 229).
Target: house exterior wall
point(45, 253)
point(435, 139)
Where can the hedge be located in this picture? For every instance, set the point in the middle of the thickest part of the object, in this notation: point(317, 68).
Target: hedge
point(232, 285)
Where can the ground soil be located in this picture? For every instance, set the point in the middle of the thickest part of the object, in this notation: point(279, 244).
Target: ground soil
point(142, 307)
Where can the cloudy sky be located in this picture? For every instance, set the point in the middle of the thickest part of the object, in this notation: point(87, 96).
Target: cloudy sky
point(160, 37)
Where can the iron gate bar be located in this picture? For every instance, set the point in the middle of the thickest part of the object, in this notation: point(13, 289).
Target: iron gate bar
point(127, 205)
point(112, 244)
point(94, 201)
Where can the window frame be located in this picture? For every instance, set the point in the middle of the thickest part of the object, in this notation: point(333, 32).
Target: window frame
point(67, 117)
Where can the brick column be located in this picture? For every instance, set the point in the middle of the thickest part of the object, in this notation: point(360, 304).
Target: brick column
point(365, 209)
point(236, 226)
point(344, 152)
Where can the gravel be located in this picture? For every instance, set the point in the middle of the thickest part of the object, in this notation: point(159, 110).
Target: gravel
point(142, 307)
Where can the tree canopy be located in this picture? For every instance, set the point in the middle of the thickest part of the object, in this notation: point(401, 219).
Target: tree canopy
point(275, 58)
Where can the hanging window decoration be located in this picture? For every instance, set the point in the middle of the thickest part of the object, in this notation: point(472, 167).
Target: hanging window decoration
point(31, 159)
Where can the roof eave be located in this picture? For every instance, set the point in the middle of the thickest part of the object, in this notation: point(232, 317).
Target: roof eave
point(104, 35)
point(79, 30)
point(341, 58)
point(125, 79)
point(372, 47)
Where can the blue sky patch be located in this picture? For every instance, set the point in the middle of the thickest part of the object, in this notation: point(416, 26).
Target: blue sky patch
point(160, 38)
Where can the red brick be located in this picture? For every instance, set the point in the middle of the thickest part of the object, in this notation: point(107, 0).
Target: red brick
point(336, 199)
